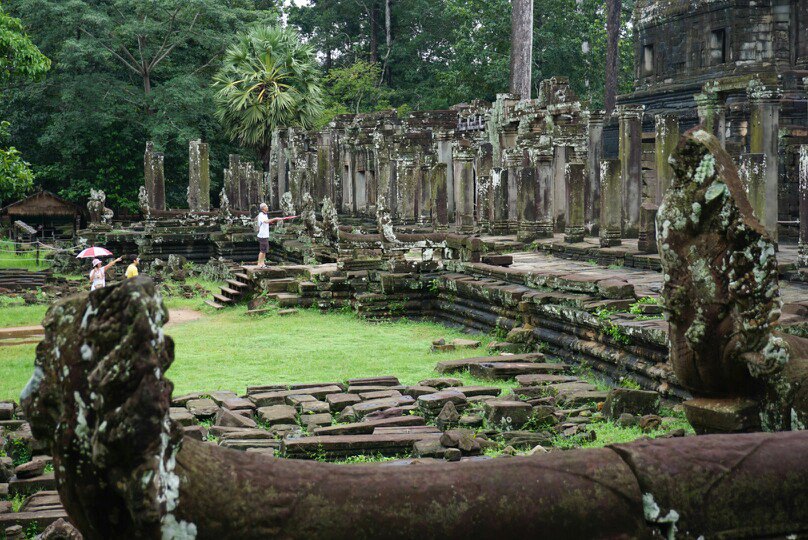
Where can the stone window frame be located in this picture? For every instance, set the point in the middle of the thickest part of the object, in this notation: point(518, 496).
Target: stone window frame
point(725, 46)
point(645, 71)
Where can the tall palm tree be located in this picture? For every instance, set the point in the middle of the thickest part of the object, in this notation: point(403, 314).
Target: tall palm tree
point(269, 80)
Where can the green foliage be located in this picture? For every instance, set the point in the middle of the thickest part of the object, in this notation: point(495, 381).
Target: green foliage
point(19, 57)
point(124, 71)
point(353, 89)
point(628, 382)
point(269, 80)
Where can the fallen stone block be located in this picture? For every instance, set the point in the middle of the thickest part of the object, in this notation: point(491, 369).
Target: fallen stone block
point(238, 403)
point(313, 421)
point(542, 379)
point(713, 415)
point(416, 391)
point(453, 366)
point(375, 381)
point(278, 397)
point(433, 403)
point(369, 426)
point(313, 407)
point(508, 414)
point(441, 383)
point(352, 445)
point(181, 416)
point(277, 414)
point(381, 394)
point(626, 400)
point(202, 408)
point(337, 402)
point(509, 370)
point(228, 418)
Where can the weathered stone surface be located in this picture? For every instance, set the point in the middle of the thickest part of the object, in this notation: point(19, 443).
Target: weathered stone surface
point(416, 391)
point(313, 421)
point(195, 432)
point(626, 400)
point(509, 370)
point(238, 403)
point(527, 439)
point(30, 469)
point(730, 415)
point(202, 408)
point(441, 383)
point(337, 402)
point(277, 414)
point(278, 397)
point(381, 394)
point(181, 416)
point(349, 445)
point(6, 410)
point(228, 418)
point(508, 414)
point(369, 426)
point(433, 403)
point(447, 417)
point(460, 438)
point(452, 366)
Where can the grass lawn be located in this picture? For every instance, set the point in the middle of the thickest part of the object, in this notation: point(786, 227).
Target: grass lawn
point(230, 350)
point(26, 260)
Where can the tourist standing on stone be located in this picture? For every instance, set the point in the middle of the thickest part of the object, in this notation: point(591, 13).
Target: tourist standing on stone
point(131, 270)
point(263, 223)
point(98, 275)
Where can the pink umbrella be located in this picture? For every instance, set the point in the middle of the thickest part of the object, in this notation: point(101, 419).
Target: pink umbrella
point(91, 252)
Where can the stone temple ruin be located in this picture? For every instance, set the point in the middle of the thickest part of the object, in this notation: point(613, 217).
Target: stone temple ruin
point(535, 218)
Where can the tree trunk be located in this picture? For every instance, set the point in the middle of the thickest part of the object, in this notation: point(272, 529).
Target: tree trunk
point(521, 47)
point(374, 32)
point(99, 397)
point(388, 38)
point(614, 8)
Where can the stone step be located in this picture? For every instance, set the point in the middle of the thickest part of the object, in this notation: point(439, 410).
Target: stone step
point(509, 370)
point(288, 299)
point(242, 276)
point(222, 299)
point(45, 481)
point(281, 285)
point(41, 518)
point(452, 366)
point(352, 445)
point(237, 284)
point(369, 426)
point(214, 305)
point(231, 292)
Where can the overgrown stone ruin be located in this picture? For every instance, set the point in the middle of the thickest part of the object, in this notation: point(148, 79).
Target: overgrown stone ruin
point(556, 227)
point(125, 467)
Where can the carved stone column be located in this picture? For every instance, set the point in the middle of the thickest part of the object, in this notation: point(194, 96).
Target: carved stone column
point(610, 203)
point(764, 128)
point(437, 182)
point(803, 187)
point(198, 176)
point(667, 137)
point(752, 172)
point(526, 195)
point(593, 156)
point(576, 184)
point(463, 158)
point(499, 201)
point(630, 153)
point(154, 177)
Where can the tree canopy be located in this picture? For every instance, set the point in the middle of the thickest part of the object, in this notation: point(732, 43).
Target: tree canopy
point(268, 80)
point(19, 59)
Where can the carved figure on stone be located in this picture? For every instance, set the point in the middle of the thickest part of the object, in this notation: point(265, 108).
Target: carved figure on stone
point(99, 213)
point(224, 203)
point(330, 222)
point(720, 290)
point(384, 221)
point(100, 399)
point(287, 205)
point(310, 217)
point(143, 202)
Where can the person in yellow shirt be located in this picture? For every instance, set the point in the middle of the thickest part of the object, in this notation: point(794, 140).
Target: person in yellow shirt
point(131, 270)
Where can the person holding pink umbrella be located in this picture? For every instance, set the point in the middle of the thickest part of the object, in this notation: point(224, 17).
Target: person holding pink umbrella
point(98, 275)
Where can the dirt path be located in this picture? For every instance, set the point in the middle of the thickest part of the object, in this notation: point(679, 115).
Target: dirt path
point(13, 335)
point(179, 316)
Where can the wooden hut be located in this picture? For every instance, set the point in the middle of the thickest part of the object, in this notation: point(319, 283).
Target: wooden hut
point(51, 216)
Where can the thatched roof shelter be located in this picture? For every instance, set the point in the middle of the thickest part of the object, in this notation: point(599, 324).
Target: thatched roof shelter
point(51, 214)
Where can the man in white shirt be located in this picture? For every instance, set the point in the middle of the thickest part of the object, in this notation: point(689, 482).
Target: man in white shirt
point(263, 235)
point(263, 232)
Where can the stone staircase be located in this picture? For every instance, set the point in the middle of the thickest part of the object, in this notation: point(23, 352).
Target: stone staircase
point(233, 291)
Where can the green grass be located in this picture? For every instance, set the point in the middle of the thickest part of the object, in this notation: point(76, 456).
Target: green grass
point(230, 350)
point(10, 258)
point(13, 312)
